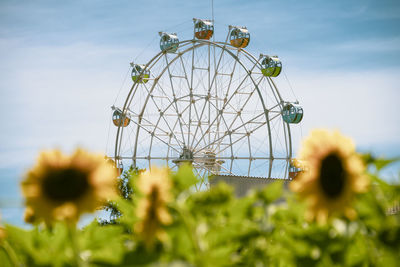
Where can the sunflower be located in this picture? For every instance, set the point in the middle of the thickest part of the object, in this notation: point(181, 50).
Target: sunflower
point(61, 187)
point(152, 211)
point(29, 215)
point(334, 174)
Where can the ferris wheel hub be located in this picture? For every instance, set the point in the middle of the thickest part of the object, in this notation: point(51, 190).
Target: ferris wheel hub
point(206, 159)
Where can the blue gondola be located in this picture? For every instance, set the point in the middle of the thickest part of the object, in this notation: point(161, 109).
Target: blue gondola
point(292, 113)
point(295, 168)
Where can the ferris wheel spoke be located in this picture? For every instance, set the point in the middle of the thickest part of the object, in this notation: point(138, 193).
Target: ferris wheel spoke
point(153, 127)
point(164, 112)
point(190, 96)
point(174, 95)
point(230, 79)
point(170, 139)
point(260, 124)
point(227, 93)
point(202, 172)
point(209, 89)
point(151, 133)
point(216, 68)
point(184, 109)
point(191, 99)
point(154, 133)
point(217, 131)
point(222, 167)
point(234, 130)
point(207, 131)
point(197, 173)
point(199, 123)
point(158, 121)
point(238, 114)
point(236, 91)
point(250, 153)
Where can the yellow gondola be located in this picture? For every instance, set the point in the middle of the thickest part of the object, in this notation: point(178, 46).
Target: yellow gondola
point(239, 37)
point(203, 29)
point(119, 119)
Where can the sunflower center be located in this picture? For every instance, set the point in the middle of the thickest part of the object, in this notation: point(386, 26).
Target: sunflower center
point(65, 185)
point(332, 175)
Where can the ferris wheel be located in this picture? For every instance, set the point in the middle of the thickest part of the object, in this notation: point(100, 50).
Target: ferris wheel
point(210, 104)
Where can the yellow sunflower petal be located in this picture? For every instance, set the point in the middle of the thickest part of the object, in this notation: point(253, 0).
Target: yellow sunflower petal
point(152, 209)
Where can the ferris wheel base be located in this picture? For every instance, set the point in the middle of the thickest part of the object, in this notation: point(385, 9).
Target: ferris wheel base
point(244, 184)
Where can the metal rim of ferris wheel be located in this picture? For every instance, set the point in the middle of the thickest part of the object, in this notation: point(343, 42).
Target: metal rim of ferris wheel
point(210, 104)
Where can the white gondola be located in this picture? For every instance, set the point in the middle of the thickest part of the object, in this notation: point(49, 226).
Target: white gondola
point(169, 42)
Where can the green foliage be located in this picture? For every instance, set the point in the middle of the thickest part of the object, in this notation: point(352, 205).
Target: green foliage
point(215, 228)
point(125, 190)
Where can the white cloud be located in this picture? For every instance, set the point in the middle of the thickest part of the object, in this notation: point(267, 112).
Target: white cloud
point(391, 44)
point(362, 104)
point(58, 96)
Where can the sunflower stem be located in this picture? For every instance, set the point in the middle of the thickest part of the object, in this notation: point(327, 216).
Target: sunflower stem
point(11, 254)
point(74, 245)
point(191, 233)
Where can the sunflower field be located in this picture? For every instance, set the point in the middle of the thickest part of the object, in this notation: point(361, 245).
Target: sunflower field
point(336, 212)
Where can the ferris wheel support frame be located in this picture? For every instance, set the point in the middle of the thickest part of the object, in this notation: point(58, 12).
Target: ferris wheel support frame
point(196, 44)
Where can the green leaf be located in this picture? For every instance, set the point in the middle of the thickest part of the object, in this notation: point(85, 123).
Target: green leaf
point(271, 192)
point(382, 162)
point(212, 199)
point(42, 247)
point(8, 255)
point(184, 178)
point(103, 244)
point(127, 209)
point(379, 163)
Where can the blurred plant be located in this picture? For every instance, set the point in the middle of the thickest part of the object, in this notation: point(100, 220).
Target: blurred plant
point(166, 223)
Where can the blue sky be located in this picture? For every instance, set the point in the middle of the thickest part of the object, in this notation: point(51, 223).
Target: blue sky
point(62, 64)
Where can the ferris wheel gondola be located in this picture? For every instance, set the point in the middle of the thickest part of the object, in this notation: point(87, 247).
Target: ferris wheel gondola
point(203, 29)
